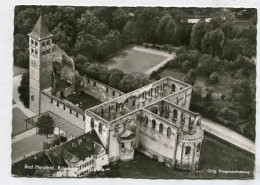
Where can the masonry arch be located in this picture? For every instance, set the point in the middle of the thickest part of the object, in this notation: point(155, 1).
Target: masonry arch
point(161, 128)
point(155, 109)
point(169, 132)
point(100, 128)
point(92, 123)
point(153, 124)
point(173, 87)
point(175, 114)
point(129, 102)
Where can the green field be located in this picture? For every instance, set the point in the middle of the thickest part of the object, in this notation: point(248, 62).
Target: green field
point(215, 155)
point(132, 60)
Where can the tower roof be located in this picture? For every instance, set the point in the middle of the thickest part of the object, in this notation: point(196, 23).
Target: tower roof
point(40, 30)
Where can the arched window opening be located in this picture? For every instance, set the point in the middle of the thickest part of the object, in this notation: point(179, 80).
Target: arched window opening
point(153, 124)
point(100, 128)
point(114, 93)
point(122, 145)
point(173, 87)
point(161, 128)
point(182, 117)
point(92, 123)
point(169, 132)
point(175, 113)
point(32, 98)
point(146, 121)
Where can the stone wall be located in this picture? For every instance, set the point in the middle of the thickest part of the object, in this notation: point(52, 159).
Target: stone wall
point(63, 109)
point(99, 90)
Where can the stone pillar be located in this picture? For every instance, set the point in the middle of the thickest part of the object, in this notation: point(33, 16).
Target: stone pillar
point(171, 115)
point(178, 121)
point(186, 124)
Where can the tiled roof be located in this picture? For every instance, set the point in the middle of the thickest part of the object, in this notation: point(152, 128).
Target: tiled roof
point(40, 30)
point(76, 149)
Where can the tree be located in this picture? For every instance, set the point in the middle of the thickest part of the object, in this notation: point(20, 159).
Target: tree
point(23, 90)
point(115, 77)
point(197, 33)
point(207, 65)
point(119, 19)
point(212, 42)
point(214, 78)
point(80, 62)
point(45, 125)
point(243, 98)
point(190, 78)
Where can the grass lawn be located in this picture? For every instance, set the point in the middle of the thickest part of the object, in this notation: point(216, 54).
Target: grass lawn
point(28, 145)
point(18, 123)
point(18, 70)
point(215, 155)
point(132, 60)
point(87, 100)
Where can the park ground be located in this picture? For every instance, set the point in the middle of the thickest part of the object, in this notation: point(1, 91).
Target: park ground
point(136, 59)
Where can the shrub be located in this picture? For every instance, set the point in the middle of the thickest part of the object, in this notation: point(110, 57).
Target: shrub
point(214, 78)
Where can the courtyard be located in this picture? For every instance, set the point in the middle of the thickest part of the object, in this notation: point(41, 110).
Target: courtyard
point(137, 59)
point(83, 100)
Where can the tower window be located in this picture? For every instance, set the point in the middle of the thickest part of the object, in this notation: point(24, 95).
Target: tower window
point(77, 114)
point(187, 150)
point(43, 43)
point(32, 98)
point(114, 93)
point(32, 42)
point(36, 52)
point(43, 52)
point(47, 51)
point(122, 145)
point(94, 84)
point(36, 43)
point(132, 143)
point(84, 118)
point(32, 50)
point(58, 104)
point(48, 42)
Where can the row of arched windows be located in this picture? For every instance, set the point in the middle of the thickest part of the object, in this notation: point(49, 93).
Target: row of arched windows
point(161, 127)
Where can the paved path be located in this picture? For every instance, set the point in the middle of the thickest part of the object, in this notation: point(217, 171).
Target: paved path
point(228, 135)
point(24, 135)
point(18, 103)
point(156, 52)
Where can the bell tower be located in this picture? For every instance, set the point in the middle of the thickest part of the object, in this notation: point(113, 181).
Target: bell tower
point(40, 54)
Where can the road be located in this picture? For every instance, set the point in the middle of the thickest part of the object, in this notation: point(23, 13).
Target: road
point(228, 135)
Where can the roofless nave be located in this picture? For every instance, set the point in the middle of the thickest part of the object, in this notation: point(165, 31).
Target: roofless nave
point(153, 119)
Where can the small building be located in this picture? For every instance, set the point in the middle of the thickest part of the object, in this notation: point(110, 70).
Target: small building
point(127, 145)
point(78, 157)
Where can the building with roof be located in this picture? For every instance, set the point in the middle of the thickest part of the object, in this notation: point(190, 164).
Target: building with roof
point(154, 119)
